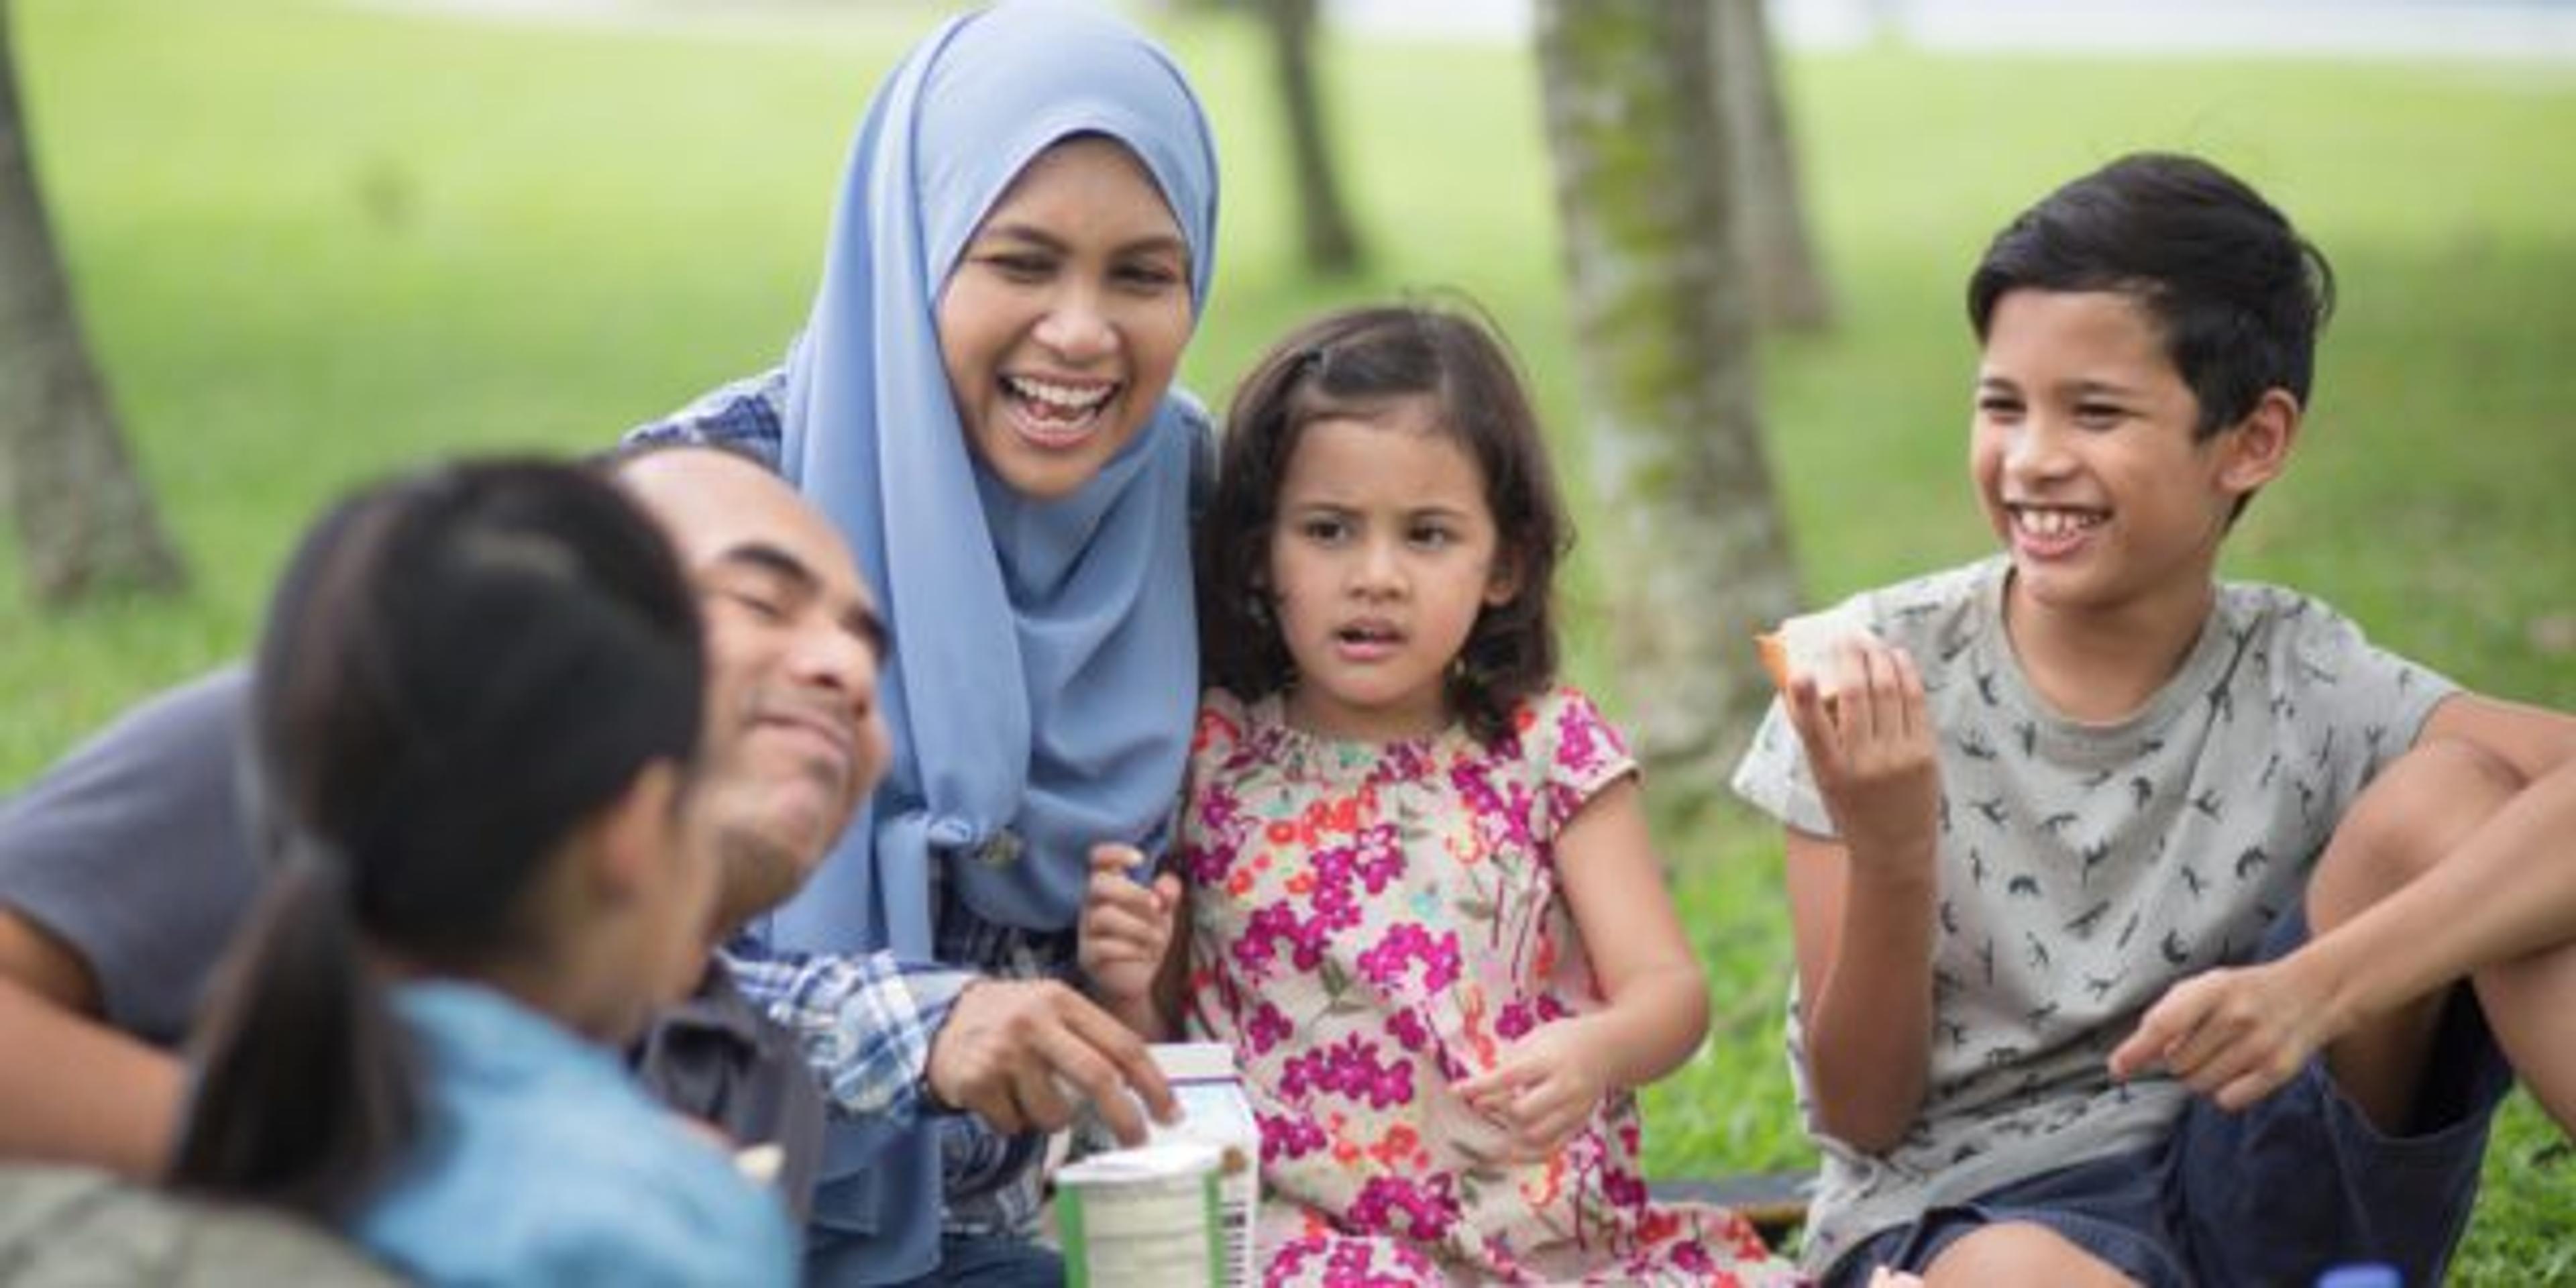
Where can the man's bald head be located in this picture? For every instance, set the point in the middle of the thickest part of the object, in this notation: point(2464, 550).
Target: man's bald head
point(794, 740)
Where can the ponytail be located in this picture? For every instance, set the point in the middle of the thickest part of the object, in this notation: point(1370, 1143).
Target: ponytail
point(305, 1091)
point(457, 670)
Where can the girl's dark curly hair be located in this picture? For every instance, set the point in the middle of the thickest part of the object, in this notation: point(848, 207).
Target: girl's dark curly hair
point(1366, 364)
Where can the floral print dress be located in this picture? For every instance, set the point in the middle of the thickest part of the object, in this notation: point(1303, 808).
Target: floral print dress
point(1370, 923)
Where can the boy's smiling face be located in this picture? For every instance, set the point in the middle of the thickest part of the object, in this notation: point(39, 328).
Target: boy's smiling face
point(2086, 461)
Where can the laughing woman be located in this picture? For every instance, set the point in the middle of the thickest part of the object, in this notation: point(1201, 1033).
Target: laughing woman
point(982, 400)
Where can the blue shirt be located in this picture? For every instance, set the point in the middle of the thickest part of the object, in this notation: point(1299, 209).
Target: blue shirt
point(539, 1162)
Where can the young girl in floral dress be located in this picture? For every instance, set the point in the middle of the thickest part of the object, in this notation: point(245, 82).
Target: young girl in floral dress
point(1423, 906)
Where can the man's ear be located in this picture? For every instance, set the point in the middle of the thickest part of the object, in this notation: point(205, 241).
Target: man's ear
point(2258, 447)
point(630, 837)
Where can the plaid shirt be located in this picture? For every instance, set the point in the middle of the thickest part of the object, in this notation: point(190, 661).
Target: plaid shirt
point(749, 413)
point(866, 1023)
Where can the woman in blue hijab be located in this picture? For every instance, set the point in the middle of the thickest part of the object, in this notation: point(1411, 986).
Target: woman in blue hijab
point(982, 401)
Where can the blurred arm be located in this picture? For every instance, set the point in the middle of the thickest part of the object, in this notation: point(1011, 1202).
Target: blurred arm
point(72, 1089)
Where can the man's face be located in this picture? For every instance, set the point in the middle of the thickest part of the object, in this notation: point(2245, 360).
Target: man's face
point(794, 740)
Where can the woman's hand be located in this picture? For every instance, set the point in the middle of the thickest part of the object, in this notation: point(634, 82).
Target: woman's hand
point(1870, 747)
point(1126, 928)
point(1543, 1090)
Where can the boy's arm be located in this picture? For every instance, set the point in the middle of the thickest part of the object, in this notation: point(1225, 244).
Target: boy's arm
point(1861, 907)
point(2508, 890)
point(2535, 741)
point(71, 1088)
point(1864, 945)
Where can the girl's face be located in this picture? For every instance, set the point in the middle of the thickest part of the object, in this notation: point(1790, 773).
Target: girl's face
point(1382, 555)
point(1065, 316)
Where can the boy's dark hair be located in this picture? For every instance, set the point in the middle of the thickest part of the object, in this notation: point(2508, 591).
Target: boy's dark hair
point(1367, 364)
point(458, 669)
point(2238, 294)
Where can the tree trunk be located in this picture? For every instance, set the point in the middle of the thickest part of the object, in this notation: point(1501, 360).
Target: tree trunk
point(85, 525)
point(1789, 288)
point(1664, 324)
point(1332, 242)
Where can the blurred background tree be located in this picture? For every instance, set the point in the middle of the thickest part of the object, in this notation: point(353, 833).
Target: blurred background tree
point(1649, 191)
point(86, 526)
point(1333, 247)
point(1790, 291)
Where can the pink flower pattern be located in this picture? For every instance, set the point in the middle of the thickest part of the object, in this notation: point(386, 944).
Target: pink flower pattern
point(1370, 923)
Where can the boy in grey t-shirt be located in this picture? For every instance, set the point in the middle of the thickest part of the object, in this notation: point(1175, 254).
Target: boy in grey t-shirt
point(2058, 842)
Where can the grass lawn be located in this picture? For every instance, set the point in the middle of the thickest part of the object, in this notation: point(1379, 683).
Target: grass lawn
point(314, 243)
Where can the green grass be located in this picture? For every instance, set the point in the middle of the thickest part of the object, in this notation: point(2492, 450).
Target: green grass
point(315, 243)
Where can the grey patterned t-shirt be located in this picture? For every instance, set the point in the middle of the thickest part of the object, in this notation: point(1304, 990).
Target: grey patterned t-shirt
point(2086, 867)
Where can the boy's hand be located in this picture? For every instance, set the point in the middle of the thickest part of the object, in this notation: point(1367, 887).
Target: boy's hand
point(1871, 751)
point(2234, 1035)
point(1126, 926)
point(1542, 1091)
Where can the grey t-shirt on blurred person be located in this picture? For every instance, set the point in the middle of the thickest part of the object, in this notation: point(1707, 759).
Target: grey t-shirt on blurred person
point(132, 851)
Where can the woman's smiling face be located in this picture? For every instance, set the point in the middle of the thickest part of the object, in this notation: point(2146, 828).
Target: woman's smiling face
point(1064, 318)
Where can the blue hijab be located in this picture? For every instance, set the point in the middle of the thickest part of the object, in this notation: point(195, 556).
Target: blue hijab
point(1045, 661)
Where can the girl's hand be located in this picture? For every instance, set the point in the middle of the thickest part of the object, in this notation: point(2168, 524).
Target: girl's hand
point(2233, 1035)
point(1126, 927)
point(1872, 752)
point(1542, 1091)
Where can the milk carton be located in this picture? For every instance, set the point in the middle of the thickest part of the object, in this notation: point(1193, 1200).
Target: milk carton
point(1141, 1218)
point(1215, 1113)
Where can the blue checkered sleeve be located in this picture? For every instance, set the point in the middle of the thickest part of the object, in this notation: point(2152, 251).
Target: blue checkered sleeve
point(749, 414)
point(864, 1023)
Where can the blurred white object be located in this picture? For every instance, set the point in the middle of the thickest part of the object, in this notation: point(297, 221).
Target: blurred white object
point(760, 1163)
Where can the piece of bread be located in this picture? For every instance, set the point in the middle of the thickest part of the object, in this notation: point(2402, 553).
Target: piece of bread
point(1804, 645)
